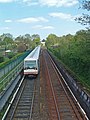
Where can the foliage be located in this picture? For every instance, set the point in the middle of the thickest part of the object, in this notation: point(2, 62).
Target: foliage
point(1, 59)
point(29, 41)
point(74, 51)
point(21, 47)
point(86, 4)
point(34, 36)
point(10, 55)
point(7, 40)
point(52, 39)
point(20, 43)
point(6, 35)
point(25, 39)
point(10, 60)
point(36, 40)
point(85, 18)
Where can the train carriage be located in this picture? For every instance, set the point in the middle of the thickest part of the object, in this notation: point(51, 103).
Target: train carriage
point(31, 62)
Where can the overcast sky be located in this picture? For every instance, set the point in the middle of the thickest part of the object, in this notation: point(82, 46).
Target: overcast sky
point(42, 17)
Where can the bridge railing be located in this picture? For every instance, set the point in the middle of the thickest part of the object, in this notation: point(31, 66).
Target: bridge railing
point(9, 66)
point(7, 80)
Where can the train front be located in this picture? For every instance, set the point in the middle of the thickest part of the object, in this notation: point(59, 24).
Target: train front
point(30, 67)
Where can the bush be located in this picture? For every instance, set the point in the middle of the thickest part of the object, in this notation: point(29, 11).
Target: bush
point(10, 55)
point(1, 59)
point(21, 47)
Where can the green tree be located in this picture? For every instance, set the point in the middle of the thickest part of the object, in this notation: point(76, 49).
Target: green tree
point(1, 59)
point(85, 18)
point(25, 39)
point(34, 36)
point(8, 40)
point(73, 51)
point(35, 40)
point(51, 40)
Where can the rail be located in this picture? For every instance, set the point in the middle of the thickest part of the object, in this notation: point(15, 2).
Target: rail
point(61, 94)
point(8, 108)
point(23, 102)
point(55, 110)
point(76, 101)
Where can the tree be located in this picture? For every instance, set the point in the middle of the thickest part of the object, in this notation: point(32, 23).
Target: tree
point(25, 39)
point(73, 51)
point(35, 40)
point(28, 36)
point(85, 18)
point(19, 38)
point(8, 40)
point(1, 59)
point(6, 35)
point(34, 36)
point(51, 40)
point(43, 40)
point(21, 47)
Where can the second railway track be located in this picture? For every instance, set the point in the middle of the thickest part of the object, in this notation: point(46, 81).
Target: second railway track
point(61, 104)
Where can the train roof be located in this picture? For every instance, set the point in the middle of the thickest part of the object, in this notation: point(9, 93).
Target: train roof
point(34, 55)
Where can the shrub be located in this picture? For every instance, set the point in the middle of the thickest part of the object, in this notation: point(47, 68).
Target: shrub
point(1, 59)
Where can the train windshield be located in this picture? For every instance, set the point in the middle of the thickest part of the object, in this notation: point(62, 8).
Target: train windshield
point(30, 65)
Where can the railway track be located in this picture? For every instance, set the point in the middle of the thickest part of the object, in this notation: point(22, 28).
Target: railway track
point(21, 108)
point(29, 103)
point(45, 97)
point(61, 104)
point(40, 108)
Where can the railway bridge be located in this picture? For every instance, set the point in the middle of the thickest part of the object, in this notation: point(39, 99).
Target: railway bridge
point(52, 95)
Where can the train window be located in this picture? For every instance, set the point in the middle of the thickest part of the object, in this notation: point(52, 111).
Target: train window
point(30, 65)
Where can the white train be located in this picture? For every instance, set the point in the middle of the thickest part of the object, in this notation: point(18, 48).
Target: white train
point(31, 62)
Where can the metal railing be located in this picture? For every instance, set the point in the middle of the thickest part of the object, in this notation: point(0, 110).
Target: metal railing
point(7, 80)
point(9, 66)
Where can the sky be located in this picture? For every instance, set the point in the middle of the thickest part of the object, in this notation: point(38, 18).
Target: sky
point(43, 17)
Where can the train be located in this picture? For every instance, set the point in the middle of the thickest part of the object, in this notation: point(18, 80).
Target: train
point(31, 62)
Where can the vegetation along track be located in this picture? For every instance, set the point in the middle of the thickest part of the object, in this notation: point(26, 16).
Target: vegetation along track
point(61, 104)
